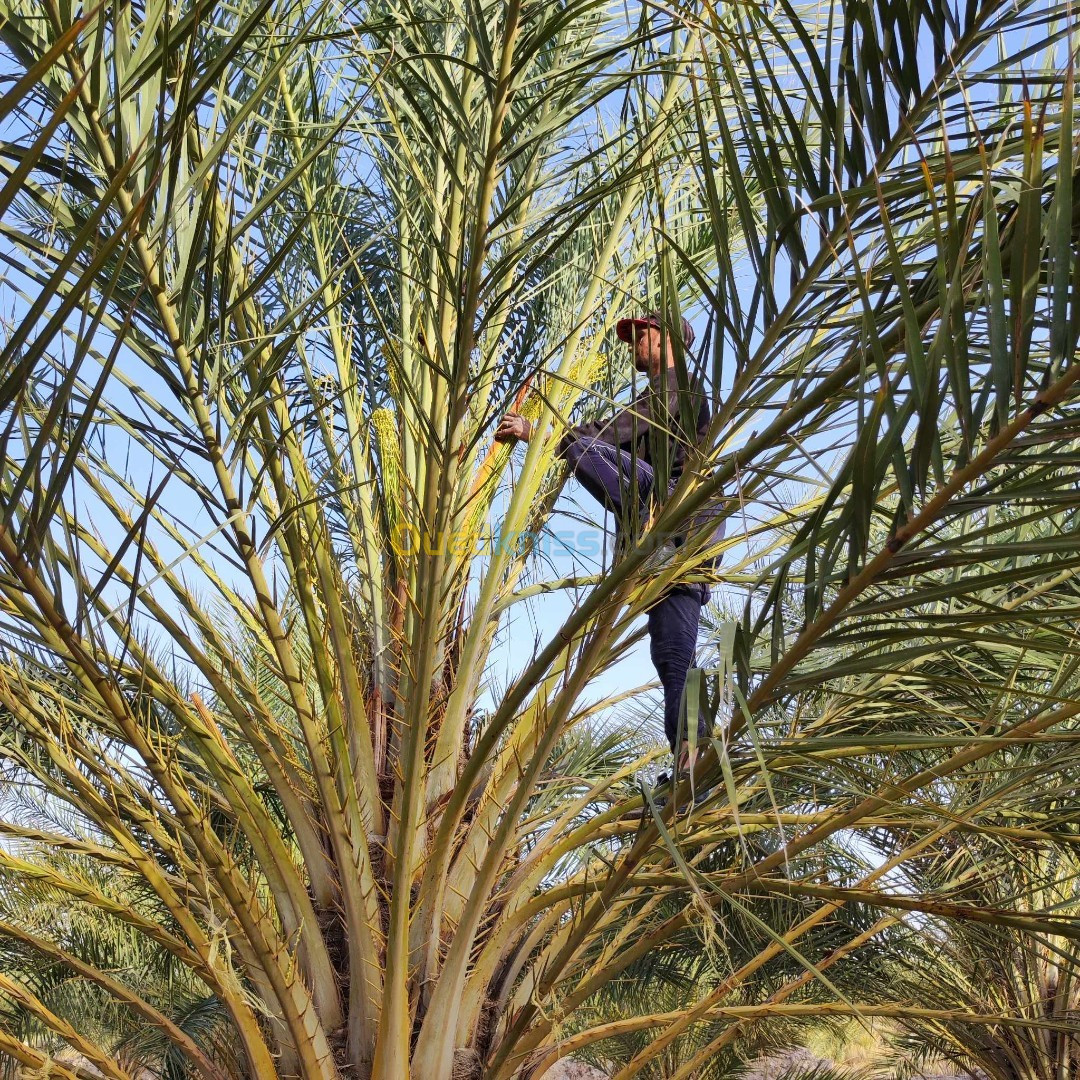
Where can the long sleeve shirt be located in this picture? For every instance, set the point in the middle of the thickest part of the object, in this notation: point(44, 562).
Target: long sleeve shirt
point(643, 429)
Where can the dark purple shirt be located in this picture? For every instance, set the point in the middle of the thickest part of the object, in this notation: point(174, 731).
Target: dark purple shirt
point(629, 428)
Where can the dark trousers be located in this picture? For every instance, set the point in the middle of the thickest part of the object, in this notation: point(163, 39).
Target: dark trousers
point(614, 477)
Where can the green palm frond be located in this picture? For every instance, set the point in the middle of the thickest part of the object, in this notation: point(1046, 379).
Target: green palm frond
point(273, 272)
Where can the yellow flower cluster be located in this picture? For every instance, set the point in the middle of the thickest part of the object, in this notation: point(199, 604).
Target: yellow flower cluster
point(384, 423)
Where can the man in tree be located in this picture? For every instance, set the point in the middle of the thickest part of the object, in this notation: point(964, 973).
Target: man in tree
point(630, 455)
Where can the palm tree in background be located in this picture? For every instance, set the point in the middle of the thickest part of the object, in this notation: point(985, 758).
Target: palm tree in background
point(984, 968)
point(693, 966)
point(274, 269)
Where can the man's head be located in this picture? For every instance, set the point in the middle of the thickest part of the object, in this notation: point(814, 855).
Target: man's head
point(651, 352)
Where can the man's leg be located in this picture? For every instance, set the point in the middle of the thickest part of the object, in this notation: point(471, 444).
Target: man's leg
point(609, 474)
point(673, 631)
point(605, 472)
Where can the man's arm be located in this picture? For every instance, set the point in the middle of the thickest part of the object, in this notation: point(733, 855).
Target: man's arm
point(621, 431)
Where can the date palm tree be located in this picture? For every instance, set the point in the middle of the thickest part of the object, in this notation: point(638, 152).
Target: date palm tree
point(987, 969)
point(275, 269)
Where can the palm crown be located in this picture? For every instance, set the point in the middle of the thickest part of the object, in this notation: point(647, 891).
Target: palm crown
point(278, 268)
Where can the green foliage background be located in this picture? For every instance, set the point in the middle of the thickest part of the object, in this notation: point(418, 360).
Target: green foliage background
point(272, 272)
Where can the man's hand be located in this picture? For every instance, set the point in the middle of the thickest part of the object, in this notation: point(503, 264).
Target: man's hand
point(511, 427)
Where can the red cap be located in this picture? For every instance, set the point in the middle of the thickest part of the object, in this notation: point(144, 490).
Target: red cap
point(624, 327)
